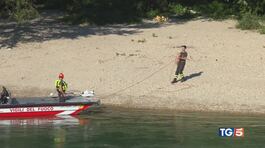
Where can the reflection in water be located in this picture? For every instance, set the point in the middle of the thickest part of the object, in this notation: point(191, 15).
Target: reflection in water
point(139, 129)
point(61, 120)
point(29, 126)
point(59, 138)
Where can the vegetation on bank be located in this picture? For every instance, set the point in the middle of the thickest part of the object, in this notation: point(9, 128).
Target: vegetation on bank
point(249, 13)
point(19, 10)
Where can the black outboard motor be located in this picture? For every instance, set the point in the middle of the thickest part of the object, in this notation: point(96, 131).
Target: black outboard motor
point(5, 96)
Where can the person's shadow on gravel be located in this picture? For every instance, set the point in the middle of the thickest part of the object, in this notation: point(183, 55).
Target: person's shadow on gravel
point(192, 76)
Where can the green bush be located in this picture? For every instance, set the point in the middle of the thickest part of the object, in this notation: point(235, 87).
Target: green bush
point(152, 13)
point(103, 12)
point(178, 9)
point(215, 10)
point(248, 22)
point(22, 15)
point(19, 10)
point(262, 30)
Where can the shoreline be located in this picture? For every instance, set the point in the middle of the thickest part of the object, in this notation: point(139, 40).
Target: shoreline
point(170, 112)
point(120, 102)
point(131, 103)
point(184, 107)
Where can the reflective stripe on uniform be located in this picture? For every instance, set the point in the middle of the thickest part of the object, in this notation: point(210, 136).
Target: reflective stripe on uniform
point(62, 84)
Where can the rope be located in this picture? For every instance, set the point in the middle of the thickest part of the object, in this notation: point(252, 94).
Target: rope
point(139, 82)
point(171, 72)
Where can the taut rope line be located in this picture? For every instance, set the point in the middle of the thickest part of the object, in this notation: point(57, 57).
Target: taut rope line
point(139, 82)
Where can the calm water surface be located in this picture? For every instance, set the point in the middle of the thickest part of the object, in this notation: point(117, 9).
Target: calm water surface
point(116, 128)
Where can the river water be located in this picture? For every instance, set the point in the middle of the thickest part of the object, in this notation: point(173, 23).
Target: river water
point(120, 128)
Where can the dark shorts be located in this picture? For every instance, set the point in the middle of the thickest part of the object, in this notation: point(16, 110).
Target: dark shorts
point(61, 96)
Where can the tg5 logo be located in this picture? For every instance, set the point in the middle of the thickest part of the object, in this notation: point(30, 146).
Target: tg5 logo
point(231, 132)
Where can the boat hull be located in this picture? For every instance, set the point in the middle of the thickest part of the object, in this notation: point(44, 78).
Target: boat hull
point(37, 110)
